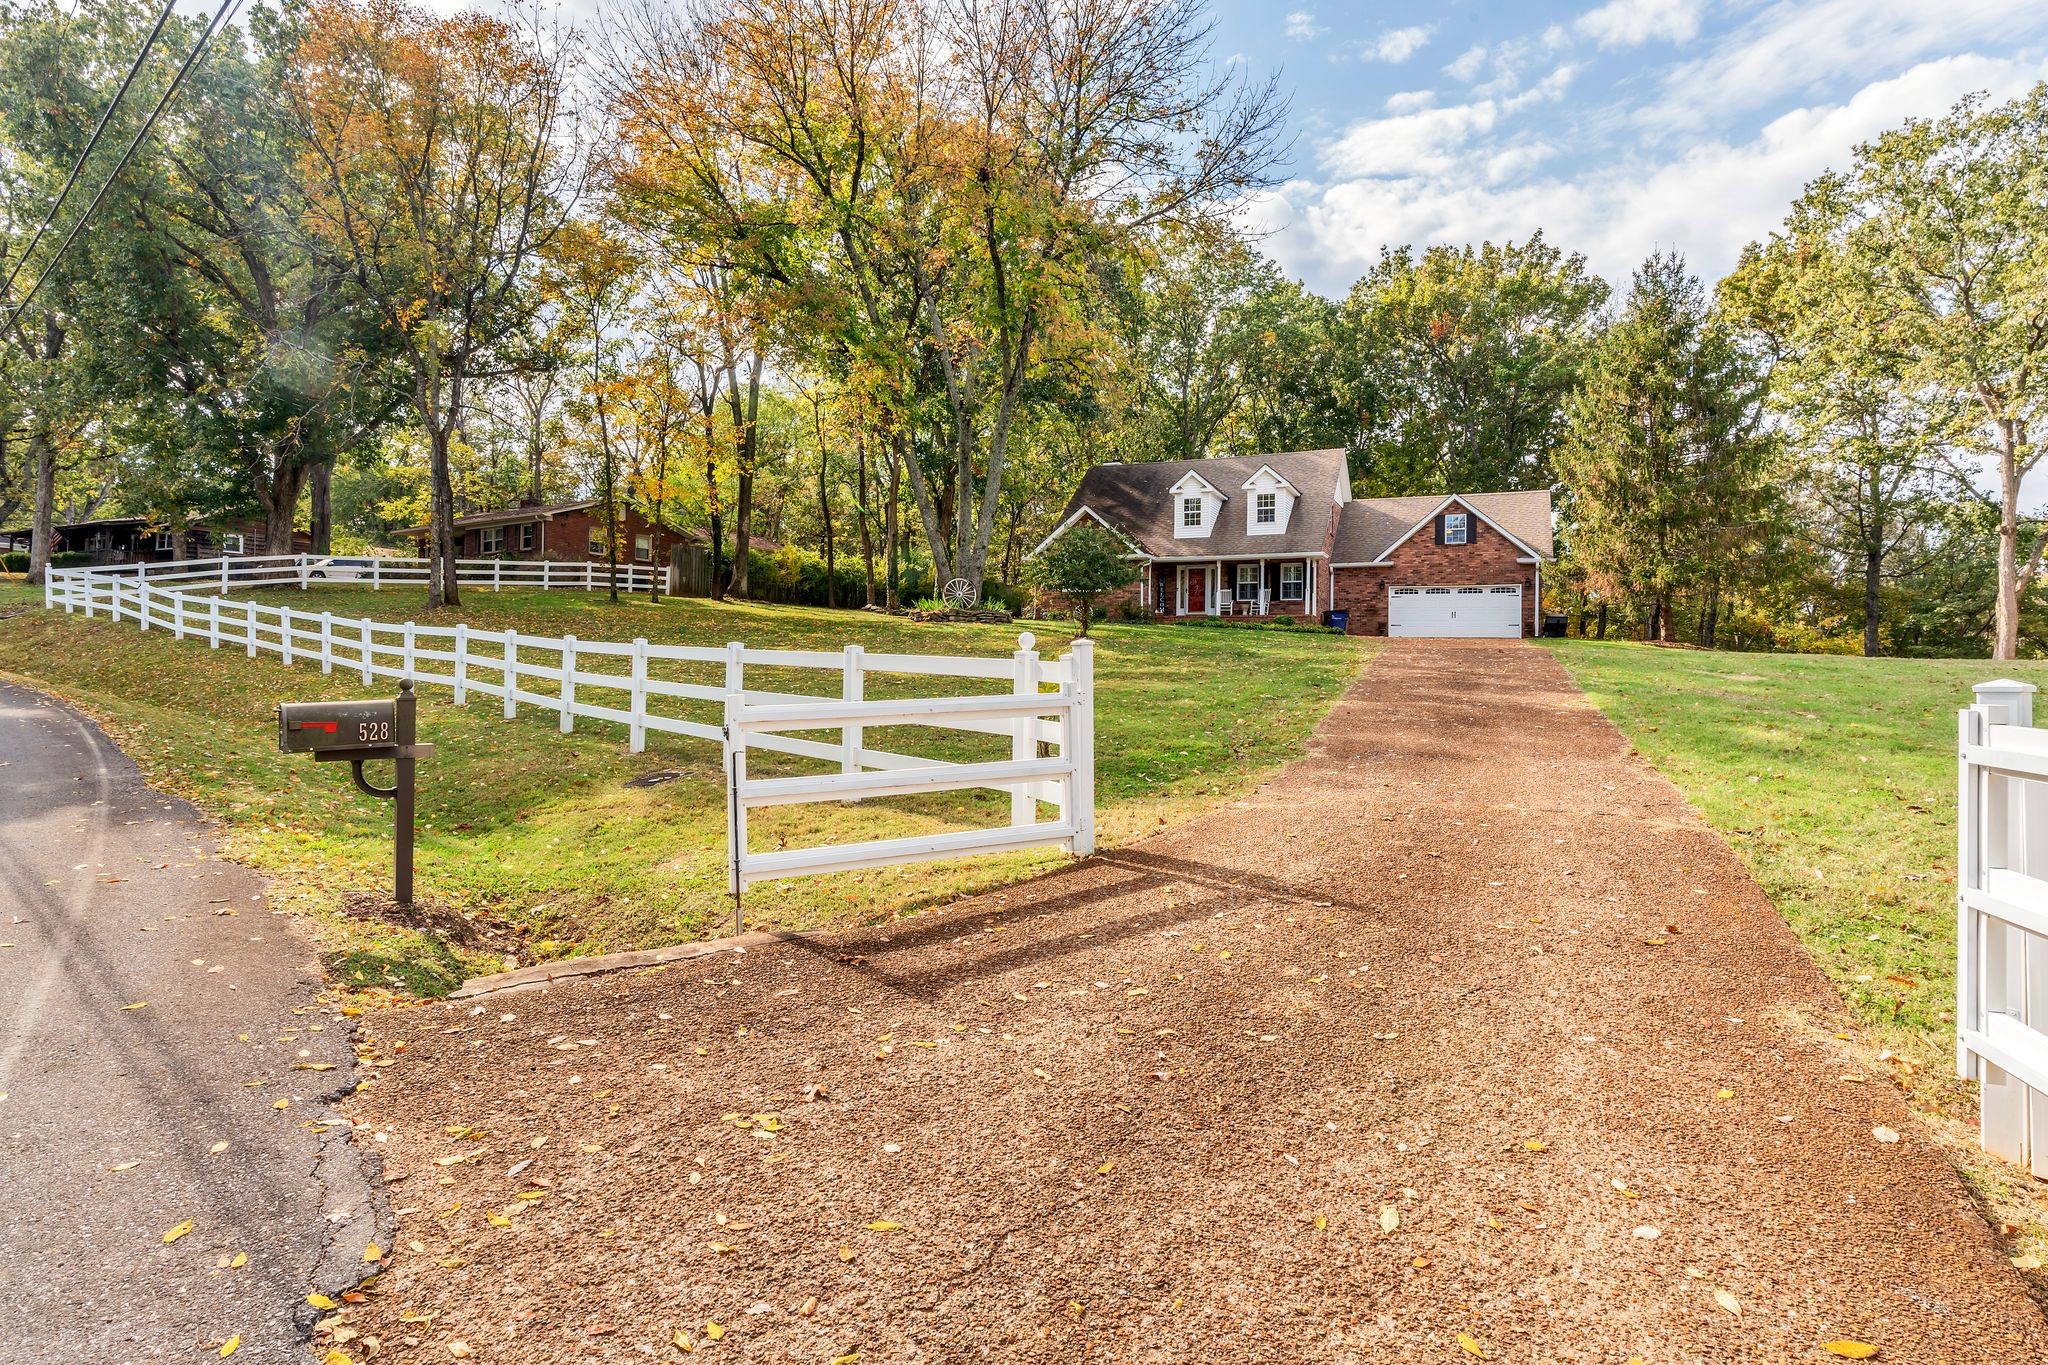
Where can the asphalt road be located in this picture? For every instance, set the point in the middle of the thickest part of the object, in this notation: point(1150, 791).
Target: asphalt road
point(152, 1008)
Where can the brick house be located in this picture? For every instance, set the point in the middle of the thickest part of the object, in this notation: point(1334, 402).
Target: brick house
point(153, 540)
point(563, 531)
point(1260, 536)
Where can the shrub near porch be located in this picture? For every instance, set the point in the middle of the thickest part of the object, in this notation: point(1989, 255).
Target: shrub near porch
point(532, 828)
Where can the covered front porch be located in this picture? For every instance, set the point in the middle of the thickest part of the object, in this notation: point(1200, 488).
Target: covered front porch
point(1250, 588)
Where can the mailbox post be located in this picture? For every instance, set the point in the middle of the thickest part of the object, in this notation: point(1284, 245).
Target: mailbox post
point(359, 732)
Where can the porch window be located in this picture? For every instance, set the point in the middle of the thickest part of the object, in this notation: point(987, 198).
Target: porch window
point(1266, 508)
point(1290, 581)
point(643, 549)
point(492, 540)
point(1454, 528)
point(1191, 511)
point(526, 536)
point(1247, 582)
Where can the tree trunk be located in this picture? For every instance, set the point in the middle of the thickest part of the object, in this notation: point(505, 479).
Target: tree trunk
point(1873, 571)
point(825, 511)
point(1602, 623)
point(320, 479)
point(2005, 643)
point(281, 505)
point(862, 515)
point(893, 523)
point(747, 422)
point(42, 455)
point(442, 588)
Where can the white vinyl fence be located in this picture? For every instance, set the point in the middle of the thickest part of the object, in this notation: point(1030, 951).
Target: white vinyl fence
point(1047, 713)
point(2002, 919)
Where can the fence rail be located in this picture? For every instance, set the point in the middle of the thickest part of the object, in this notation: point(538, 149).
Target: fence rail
point(2002, 919)
point(1051, 732)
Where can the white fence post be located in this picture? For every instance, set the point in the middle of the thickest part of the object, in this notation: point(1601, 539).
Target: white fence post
point(568, 683)
point(462, 664)
point(366, 651)
point(1024, 744)
point(326, 642)
point(497, 574)
point(305, 572)
point(410, 644)
point(142, 602)
point(213, 623)
point(223, 573)
point(376, 573)
point(284, 633)
point(636, 733)
point(249, 625)
point(735, 762)
point(1081, 745)
point(543, 575)
point(852, 687)
point(511, 674)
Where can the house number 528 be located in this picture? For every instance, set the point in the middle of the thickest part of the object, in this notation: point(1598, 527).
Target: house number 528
point(377, 731)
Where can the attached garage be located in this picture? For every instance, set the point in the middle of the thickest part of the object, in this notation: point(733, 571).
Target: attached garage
point(1482, 611)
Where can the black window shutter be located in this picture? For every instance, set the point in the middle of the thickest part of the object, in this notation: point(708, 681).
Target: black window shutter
point(1439, 530)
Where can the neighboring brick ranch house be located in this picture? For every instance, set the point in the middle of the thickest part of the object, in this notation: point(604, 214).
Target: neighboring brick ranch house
point(563, 531)
point(1259, 536)
point(149, 540)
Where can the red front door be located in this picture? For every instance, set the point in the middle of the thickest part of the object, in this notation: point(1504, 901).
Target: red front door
point(1197, 581)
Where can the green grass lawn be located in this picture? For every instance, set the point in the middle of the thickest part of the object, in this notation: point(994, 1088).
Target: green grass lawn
point(533, 834)
point(1835, 781)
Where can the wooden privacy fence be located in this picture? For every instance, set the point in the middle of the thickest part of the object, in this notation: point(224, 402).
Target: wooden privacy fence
point(1047, 713)
point(2002, 919)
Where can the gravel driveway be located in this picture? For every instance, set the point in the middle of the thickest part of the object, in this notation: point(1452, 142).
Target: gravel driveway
point(1461, 1037)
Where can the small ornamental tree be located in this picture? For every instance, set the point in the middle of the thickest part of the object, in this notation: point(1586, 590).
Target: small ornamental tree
point(1081, 565)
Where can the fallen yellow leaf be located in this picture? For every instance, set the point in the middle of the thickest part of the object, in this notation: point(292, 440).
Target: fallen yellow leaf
point(714, 1331)
point(321, 1302)
point(136, 1006)
point(231, 1345)
point(216, 1149)
point(884, 1225)
point(1470, 1345)
point(241, 1259)
point(850, 1358)
point(1390, 1218)
point(372, 1254)
point(1534, 1144)
point(1728, 1301)
point(1849, 1350)
point(179, 1231)
point(1724, 1094)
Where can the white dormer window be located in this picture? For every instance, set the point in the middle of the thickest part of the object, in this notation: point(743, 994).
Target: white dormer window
point(1195, 503)
point(1456, 530)
point(1191, 512)
point(1270, 505)
point(1267, 509)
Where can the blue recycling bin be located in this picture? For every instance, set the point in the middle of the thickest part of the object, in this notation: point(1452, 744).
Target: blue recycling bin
point(1339, 621)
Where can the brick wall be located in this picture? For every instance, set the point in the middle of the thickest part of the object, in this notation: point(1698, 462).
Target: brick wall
point(1489, 557)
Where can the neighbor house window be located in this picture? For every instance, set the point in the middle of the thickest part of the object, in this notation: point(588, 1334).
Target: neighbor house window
point(166, 540)
point(231, 543)
point(1290, 581)
point(643, 549)
point(493, 540)
point(1247, 582)
point(597, 545)
point(1454, 528)
point(1191, 511)
point(526, 536)
point(1266, 508)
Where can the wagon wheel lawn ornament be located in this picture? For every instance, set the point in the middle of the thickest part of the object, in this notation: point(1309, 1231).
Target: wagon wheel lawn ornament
point(959, 594)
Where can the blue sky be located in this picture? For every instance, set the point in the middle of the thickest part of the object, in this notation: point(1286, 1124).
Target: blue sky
point(1617, 128)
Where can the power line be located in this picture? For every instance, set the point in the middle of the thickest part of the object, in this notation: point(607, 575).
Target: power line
point(220, 16)
point(91, 143)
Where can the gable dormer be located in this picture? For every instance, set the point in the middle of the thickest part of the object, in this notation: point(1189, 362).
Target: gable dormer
point(1269, 503)
point(1196, 505)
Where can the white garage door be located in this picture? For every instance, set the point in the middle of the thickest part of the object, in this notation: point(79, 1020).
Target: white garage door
point(1464, 611)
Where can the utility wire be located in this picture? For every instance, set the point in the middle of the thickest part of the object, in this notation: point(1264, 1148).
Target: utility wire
point(220, 16)
point(91, 143)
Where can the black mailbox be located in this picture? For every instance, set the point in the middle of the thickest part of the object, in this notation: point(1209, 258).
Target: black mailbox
point(308, 727)
point(359, 732)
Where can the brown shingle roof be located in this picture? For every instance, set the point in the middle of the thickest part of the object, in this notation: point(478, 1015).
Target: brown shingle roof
point(1371, 526)
point(1135, 499)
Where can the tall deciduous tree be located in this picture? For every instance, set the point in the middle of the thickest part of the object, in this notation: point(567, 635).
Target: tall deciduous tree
point(1467, 357)
point(1944, 220)
point(438, 170)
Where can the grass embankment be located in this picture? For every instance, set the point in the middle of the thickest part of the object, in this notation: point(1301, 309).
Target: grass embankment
point(1834, 780)
point(532, 834)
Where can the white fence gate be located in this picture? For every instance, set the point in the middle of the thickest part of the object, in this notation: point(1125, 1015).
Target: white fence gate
point(2002, 919)
point(1051, 732)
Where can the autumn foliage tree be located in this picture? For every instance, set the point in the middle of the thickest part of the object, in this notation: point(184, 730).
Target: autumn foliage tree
point(439, 168)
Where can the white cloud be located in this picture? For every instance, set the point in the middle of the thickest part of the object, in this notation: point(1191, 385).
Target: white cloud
point(1399, 44)
point(1796, 48)
point(1631, 23)
point(1467, 64)
point(1302, 26)
point(1551, 87)
point(1408, 101)
point(1462, 174)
